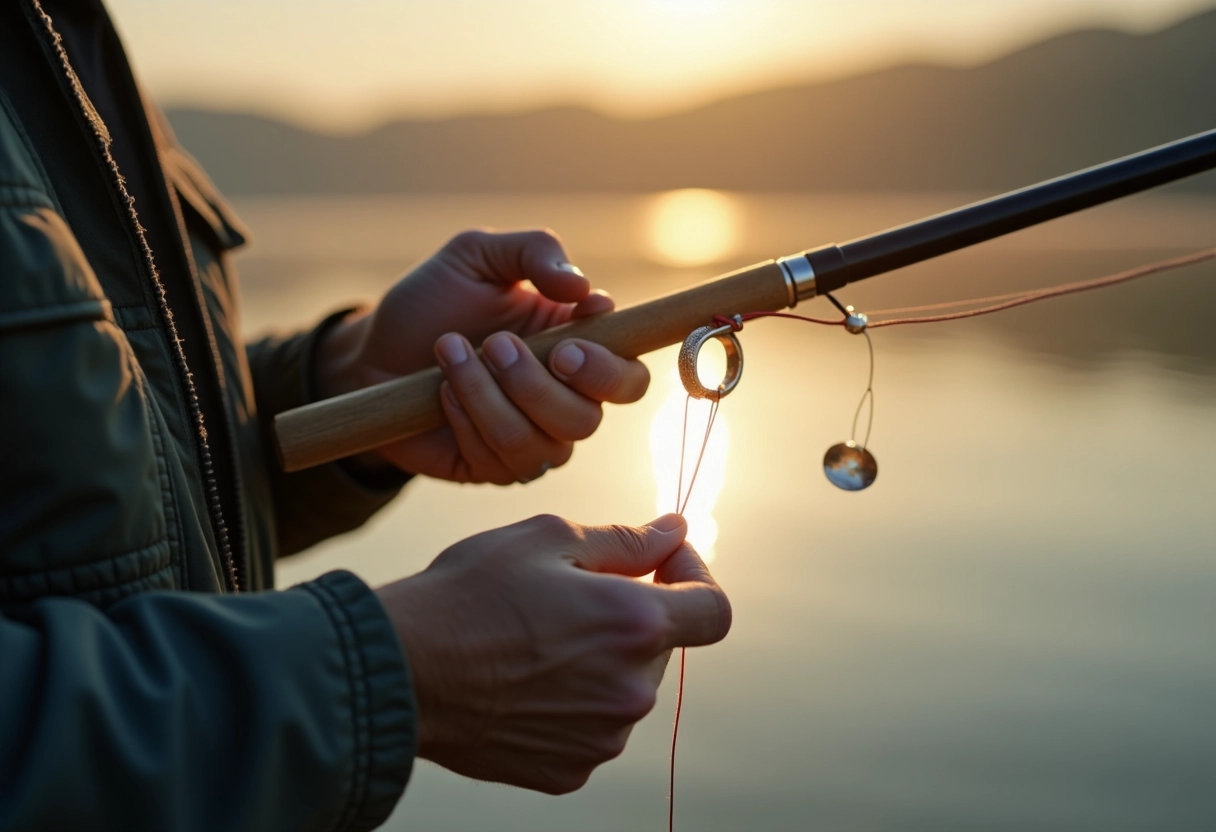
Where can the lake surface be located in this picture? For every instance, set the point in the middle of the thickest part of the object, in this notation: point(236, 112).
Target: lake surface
point(1014, 628)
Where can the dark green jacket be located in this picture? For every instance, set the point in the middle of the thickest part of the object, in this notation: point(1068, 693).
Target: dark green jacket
point(149, 676)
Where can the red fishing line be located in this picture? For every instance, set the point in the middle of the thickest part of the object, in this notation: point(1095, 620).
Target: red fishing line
point(675, 732)
point(682, 499)
point(995, 303)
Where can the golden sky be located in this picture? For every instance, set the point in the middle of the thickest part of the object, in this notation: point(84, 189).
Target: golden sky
point(343, 65)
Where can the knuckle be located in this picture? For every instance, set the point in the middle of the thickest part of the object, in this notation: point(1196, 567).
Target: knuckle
point(469, 238)
point(566, 782)
point(510, 440)
point(635, 701)
point(587, 424)
point(627, 538)
point(613, 745)
point(532, 389)
point(562, 455)
point(644, 629)
point(725, 615)
point(550, 525)
point(547, 235)
point(640, 384)
point(609, 377)
point(465, 378)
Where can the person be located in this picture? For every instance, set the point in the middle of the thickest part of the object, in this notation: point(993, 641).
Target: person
point(150, 677)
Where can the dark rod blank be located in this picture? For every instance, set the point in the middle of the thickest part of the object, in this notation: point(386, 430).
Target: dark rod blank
point(838, 265)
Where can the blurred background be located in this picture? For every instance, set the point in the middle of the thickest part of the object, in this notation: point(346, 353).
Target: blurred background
point(1013, 628)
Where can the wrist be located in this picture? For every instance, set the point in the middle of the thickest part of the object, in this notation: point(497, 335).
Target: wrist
point(337, 369)
point(401, 601)
point(337, 365)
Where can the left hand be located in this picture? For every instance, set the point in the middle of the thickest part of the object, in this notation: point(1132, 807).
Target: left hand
point(533, 657)
point(510, 418)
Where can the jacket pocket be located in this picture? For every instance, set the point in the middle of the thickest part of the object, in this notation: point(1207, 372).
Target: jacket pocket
point(44, 276)
point(82, 493)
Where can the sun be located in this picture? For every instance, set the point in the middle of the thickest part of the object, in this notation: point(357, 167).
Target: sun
point(692, 226)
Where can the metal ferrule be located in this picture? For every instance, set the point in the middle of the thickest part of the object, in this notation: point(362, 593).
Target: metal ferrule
point(799, 277)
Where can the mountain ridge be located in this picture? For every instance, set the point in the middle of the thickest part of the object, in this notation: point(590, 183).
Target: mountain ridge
point(1067, 102)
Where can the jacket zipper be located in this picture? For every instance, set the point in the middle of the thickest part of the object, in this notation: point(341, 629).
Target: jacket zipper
point(102, 137)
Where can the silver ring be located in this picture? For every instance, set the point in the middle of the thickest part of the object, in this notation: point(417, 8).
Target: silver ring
point(544, 469)
point(691, 352)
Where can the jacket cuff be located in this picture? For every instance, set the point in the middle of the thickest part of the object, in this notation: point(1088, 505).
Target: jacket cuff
point(382, 699)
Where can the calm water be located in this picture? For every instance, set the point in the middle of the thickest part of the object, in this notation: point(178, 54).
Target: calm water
point(1014, 629)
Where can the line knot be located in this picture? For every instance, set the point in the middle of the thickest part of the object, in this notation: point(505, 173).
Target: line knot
point(735, 322)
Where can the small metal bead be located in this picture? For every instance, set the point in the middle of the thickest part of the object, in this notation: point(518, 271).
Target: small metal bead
point(855, 322)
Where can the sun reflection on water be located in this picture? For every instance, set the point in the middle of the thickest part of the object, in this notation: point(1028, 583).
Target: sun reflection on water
point(665, 457)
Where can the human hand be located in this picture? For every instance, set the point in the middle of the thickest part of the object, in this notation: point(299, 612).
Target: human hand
point(510, 418)
point(533, 655)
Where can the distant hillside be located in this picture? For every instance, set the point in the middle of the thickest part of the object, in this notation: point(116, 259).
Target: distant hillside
point(1068, 102)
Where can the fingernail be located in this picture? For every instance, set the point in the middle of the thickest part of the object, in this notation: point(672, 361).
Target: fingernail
point(668, 523)
point(452, 350)
point(568, 359)
point(571, 268)
point(501, 351)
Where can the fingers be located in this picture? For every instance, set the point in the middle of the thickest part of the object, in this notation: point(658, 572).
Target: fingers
point(698, 611)
point(566, 410)
point(555, 408)
point(596, 373)
point(695, 609)
point(629, 550)
point(596, 303)
point(480, 463)
point(510, 435)
point(513, 256)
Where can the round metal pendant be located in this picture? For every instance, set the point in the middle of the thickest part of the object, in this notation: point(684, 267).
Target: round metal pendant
point(850, 467)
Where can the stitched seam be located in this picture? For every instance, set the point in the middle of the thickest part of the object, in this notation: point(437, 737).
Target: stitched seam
point(81, 581)
point(55, 313)
point(67, 571)
point(349, 641)
point(13, 195)
point(72, 574)
point(101, 596)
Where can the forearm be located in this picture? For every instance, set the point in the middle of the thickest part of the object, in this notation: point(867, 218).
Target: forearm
point(320, 502)
point(336, 368)
point(284, 710)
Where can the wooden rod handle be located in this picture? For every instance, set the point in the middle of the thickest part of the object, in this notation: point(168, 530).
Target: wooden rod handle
point(355, 422)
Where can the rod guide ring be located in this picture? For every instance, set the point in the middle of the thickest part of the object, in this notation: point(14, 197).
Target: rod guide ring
point(690, 353)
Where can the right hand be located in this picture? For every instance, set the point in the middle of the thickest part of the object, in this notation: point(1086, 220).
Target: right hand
point(534, 653)
point(510, 416)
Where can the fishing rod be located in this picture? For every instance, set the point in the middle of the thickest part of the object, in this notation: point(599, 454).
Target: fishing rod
point(374, 416)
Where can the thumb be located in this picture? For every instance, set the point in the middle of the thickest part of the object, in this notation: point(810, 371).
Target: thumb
point(507, 257)
point(629, 550)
